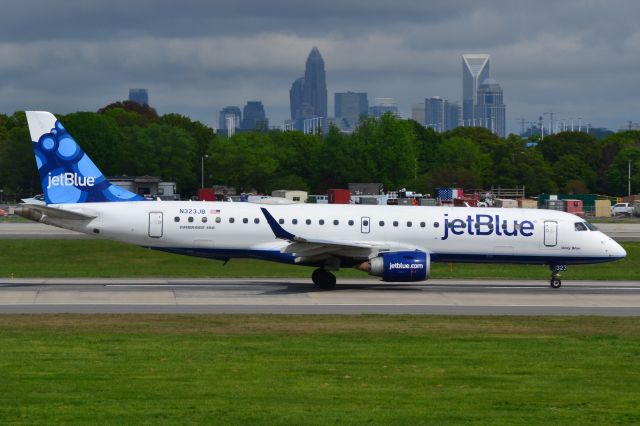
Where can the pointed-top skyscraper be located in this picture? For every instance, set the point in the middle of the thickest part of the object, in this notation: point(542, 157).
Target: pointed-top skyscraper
point(315, 84)
point(476, 68)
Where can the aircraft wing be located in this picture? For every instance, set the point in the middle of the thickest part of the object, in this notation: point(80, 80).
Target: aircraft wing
point(311, 249)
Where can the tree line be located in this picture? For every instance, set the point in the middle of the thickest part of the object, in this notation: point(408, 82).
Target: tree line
point(129, 139)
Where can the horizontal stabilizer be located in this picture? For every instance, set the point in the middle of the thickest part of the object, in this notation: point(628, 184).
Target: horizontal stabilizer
point(37, 212)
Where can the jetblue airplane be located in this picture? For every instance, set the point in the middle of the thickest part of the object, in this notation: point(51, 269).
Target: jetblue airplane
point(396, 243)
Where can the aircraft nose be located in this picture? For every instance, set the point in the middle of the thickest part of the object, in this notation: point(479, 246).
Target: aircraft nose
point(616, 250)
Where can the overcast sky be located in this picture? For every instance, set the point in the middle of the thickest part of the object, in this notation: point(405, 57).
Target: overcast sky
point(578, 58)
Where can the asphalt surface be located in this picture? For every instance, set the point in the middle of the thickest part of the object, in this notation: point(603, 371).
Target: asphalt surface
point(39, 231)
point(293, 296)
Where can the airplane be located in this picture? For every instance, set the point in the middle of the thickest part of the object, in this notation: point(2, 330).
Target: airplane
point(396, 243)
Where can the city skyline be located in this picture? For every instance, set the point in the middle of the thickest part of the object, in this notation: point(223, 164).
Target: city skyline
point(575, 59)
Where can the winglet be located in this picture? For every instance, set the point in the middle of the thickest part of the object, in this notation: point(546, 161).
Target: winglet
point(278, 231)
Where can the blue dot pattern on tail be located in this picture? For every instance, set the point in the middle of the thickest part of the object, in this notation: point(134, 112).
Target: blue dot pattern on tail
point(69, 176)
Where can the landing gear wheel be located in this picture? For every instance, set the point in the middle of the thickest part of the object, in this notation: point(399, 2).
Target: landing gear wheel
point(555, 275)
point(324, 279)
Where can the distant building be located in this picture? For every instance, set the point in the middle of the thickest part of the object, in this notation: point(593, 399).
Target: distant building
point(440, 114)
point(140, 96)
point(148, 186)
point(418, 112)
point(435, 112)
point(296, 98)
point(229, 120)
point(254, 117)
point(383, 106)
point(476, 68)
point(490, 110)
point(315, 84)
point(350, 107)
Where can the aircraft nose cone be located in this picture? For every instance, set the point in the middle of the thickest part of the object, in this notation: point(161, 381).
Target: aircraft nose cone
point(616, 250)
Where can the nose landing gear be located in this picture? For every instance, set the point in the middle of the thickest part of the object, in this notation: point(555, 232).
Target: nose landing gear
point(555, 281)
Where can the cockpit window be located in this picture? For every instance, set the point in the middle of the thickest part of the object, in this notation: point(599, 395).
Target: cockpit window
point(591, 226)
point(580, 226)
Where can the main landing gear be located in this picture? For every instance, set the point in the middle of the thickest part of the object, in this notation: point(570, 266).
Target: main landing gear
point(555, 281)
point(324, 279)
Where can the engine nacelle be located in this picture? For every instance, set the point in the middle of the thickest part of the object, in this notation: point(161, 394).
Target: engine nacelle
point(401, 266)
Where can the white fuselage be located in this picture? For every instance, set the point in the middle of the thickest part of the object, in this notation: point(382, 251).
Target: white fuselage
point(225, 230)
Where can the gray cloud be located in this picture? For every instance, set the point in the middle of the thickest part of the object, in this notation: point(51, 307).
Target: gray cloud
point(578, 58)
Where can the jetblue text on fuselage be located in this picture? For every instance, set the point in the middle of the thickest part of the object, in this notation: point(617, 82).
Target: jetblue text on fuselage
point(485, 224)
point(69, 179)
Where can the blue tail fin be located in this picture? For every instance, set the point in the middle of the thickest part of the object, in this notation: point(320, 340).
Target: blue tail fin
point(67, 174)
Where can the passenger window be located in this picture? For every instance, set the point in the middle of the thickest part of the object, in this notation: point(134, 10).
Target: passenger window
point(321, 221)
point(218, 219)
point(308, 221)
point(294, 221)
point(395, 223)
point(365, 223)
point(281, 221)
point(422, 224)
point(336, 222)
point(409, 224)
point(256, 220)
point(436, 225)
point(381, 223)
point(176, 219)
point(204, 219)
point(580, 226)
point(190, 219)
point(231, 220)
point(245, 220)
point(350, 223)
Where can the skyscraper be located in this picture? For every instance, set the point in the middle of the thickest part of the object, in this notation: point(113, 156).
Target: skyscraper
point(490, 110)
point(476, 68)
point(350, 106)
point(140, 96)
point(254, 117)
point(308, 94)
point(229, 118)
point(296, 98)
point(440, 114)
point(315, 84)
point(434, 113)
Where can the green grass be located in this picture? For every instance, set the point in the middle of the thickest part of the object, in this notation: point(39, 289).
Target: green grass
point(98, 258)
point(268, 369)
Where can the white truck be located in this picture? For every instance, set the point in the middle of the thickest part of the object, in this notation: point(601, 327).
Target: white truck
point(622, 209)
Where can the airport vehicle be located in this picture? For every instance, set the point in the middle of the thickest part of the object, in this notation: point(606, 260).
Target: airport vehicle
point(622, 209)
point(396, 243)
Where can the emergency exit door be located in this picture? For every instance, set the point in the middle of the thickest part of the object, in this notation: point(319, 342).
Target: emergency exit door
point(550, 233)
point(155, 225)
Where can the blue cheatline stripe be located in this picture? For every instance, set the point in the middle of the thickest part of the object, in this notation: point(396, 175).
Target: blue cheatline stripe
point(277, 256)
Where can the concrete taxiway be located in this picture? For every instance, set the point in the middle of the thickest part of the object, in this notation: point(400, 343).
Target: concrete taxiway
point(296, 296)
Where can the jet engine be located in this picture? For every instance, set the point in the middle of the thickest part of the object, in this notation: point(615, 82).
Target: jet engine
point(399, 266)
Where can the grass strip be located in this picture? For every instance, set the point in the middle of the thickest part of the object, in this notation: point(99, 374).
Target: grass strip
point(108, 259)
point(275, 369)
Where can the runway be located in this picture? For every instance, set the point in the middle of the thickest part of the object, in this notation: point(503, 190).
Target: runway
point(297, 296)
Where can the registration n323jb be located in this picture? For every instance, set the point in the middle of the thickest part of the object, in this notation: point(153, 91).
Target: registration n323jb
point(395, 243)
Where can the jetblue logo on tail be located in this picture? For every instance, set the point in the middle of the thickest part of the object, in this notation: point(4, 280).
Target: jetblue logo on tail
point(69, 179)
